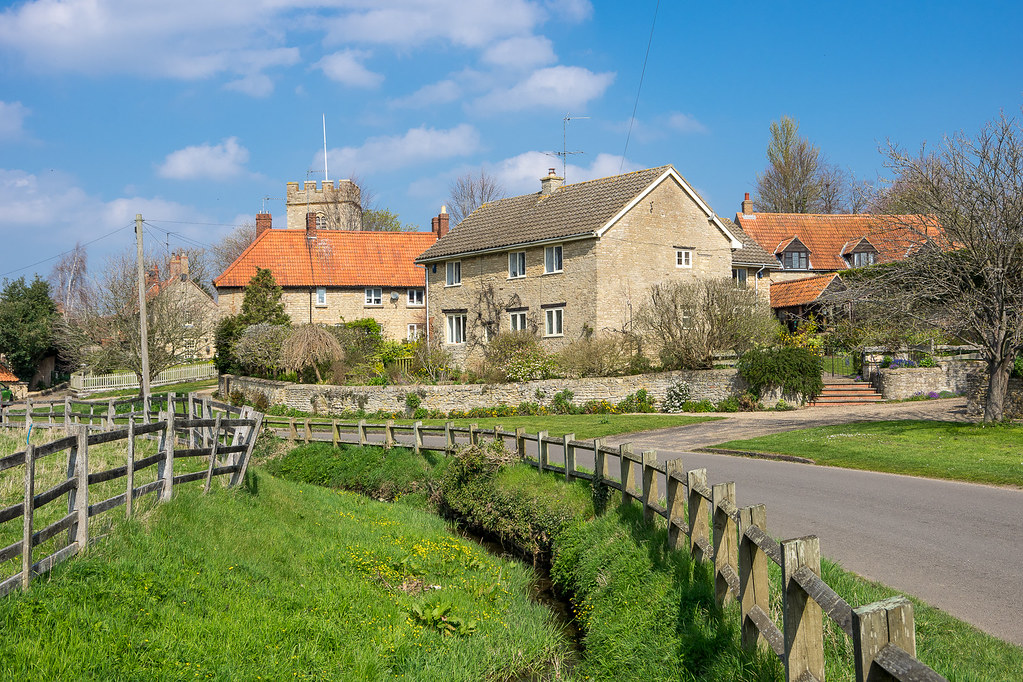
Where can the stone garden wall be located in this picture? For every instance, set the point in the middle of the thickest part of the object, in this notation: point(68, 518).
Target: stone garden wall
point(899, 384)
point(976, 395)
point(713, 384)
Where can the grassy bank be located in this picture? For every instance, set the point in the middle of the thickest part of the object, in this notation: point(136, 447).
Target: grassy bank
point(281, 581)
point(980, 453)
point(645, 613)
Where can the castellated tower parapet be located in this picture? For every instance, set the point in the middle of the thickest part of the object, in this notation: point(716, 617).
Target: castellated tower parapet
point(335, 206)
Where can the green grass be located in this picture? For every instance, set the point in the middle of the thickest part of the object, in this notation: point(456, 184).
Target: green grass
point(584, 426)
point(290, 581)
point(182, 388)
point(980, 453)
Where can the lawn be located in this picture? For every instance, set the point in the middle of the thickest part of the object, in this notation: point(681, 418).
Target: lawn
point(281, 581)
point(980, 453)
point(180, 389)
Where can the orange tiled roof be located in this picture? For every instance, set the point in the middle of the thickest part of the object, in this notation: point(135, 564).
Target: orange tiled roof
point(6, 376)
point(826, 237)
point(800, 291)
point(332, 258)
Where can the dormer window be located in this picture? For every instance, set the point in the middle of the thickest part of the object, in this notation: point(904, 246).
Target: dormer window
point(795, 260)
point(862, 259)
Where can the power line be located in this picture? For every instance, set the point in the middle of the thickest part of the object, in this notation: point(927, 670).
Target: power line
point(64, 253)
point(640, 88)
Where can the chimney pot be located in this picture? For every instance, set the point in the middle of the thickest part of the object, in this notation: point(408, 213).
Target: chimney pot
point(264, 222)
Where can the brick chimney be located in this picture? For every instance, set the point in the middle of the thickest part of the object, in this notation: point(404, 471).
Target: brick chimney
point(440, 223)
point(152, 276)
point(179, 265)
point(264, 222)
point(310, 222)
point(747, 205)
point(549, 184)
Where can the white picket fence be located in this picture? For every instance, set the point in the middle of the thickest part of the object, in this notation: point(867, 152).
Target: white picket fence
point(83, 384)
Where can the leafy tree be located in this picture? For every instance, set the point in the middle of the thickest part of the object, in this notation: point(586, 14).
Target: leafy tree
point(310, 346)
point(384, 220)
point(259, 348)
point(26, 314)
point(228, 331)
point(262, 301)
point(967, 279)
point(469, 192)
point(798, 178)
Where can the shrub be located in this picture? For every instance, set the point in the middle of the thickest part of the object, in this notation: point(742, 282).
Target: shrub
point(783, 406)
point(901, 364)
point(1017, 366)
point(749, 403)
point(531, 365)
point(927, 361)
point(640, 401)
point(676, 397)
point(598, 356)
point(412, 401)
point(421, 413)
point(794, 370)
point(698, 406)
point(886, 362)
point(730, 404)
point(561, 403)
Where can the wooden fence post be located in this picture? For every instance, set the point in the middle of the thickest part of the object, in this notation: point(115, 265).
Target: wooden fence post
point(541, 449)
point(147, 408)
point(600, 469)
point(49, 415)
point(802, 616)
point(877, 625)
point(726, 557)
point(252, 435)
point(699, 525)
point(520, 442)
point(129, 498)
point(474, 434)
point(28, 413)
point(389, 434)
point(674, 473)
point(569, 449)
point(308, 432)
point(78, 497)
point(417, 437)
point(28, 513)
point(449, 437)
point(650, 492)
point(190, 414)
point(627, 473)
point(334, 435)
point(754, 585)
point(67, 415)
point(110, 414)
point(207, 413)
point(166, 469)
point(213, 457)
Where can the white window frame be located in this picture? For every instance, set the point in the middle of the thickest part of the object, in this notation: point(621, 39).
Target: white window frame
point(516, 265)
point(517, 321)
point(453, 273)
point(321, 221)
point(683, 258)
point(868, 256)
point(553, 259)
point(416, 298)
point(374, 296)
point(740, 276)
point(321, 297)
point(554, 322)
point(413, 331)
point(455, 329)
point(795, 255)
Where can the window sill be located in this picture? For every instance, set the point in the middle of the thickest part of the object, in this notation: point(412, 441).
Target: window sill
point(415, 305)
point(554, 336)
point(554, 272)
point(452, 286)
point(373, 305)
point(320, 305)
point(517, 277)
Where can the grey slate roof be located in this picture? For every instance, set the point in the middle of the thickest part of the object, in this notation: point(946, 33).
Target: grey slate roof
point(574, 210)
point(751, 252)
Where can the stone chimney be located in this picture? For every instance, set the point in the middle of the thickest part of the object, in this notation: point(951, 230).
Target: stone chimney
point(179, 266)
point(264, 222)
point(747, 205)
point(440, 223)
point(551, 183)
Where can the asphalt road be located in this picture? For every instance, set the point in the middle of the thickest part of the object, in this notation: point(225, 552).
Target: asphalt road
point(957, 546)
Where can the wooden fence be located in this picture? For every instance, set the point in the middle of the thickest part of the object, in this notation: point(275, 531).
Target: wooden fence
point(82, 383)
point(704, 518)
point(223, 434)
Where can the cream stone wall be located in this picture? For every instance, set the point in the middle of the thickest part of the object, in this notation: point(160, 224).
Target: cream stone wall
point(488, 294)
point(341, 304)
point(638, 252)
point(340, 202)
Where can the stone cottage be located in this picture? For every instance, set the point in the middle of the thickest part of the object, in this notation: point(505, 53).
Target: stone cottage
point(575, 259)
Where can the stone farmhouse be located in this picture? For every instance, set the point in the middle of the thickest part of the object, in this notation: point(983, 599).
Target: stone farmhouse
point(330, 275)
point(575, 259)
point(192, 302)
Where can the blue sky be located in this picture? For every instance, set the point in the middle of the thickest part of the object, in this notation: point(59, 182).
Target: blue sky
point(191, 112)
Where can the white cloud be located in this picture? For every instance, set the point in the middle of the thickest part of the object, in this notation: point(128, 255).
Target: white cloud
point(522, 52)
point(521, 174)
point(405, 23)
point(12, 117)
point(429, 95)
point(557, 87)
point(684, 123)
point(346, 67)
point(572, 10)
point(255, 85)
point(416, 146)
point(216, 162)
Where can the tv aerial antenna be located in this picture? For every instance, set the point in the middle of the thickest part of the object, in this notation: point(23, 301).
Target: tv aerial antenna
point(564, 153)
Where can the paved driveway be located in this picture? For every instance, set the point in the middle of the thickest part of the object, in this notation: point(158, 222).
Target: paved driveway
point(954, 545)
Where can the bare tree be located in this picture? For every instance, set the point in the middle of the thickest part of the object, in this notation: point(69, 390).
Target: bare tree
point(967, 279)
point(688, 321)
point(105, 334)
point(228, 248)
point(469, 192)
point(68, 281)
point(310, 345)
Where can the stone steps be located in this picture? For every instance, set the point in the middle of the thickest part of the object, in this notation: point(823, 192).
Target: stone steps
point(847, 393)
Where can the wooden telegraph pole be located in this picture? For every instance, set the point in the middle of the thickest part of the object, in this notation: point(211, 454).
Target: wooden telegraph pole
point(142, 307)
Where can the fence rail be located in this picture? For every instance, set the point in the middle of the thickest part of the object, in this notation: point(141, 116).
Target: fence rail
point(223, 434)
point(83, 384)
point(705, 518)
